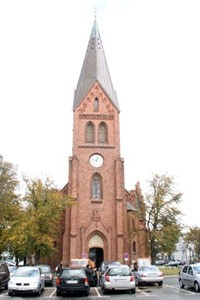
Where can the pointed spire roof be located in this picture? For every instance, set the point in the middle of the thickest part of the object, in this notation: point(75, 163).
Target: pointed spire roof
point(94, 69)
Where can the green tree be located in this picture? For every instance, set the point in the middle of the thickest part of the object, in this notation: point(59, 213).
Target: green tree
point(44, 206)
point(162, 215)
point(193, 236)
point(9, 200)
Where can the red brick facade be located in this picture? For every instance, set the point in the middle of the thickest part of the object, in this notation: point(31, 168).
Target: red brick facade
point(100, 228)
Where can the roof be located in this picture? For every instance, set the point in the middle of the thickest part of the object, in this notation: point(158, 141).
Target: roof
point(94, 69)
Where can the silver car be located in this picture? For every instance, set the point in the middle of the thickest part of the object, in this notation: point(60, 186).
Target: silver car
point(118, 278)
point(148, 274)
point(189, 275)
point(26, 280)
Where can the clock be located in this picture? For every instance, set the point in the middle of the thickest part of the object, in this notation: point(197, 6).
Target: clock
point(96, 160)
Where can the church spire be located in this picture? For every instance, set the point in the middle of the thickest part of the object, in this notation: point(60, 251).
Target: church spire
point(94, 68)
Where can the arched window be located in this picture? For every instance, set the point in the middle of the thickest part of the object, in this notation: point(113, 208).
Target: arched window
point(103, 133)
point(134, 247)
point(96, 104)
point(96, 186)
point(89, 134)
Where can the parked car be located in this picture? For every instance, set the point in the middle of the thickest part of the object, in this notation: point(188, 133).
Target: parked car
point(118, 277)
point(27, 280)
point(189, 275)
point(48, 274)
point(148, 274)
point(72, 280)
point(4, 275)
point(160, 262)
point(173, 263)
point(105, 265)
point(10, 262)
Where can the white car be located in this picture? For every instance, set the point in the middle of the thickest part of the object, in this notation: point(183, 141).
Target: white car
point(118, 278)
point(26, 280)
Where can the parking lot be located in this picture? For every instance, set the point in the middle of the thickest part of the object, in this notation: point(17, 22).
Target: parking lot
point(170, 290)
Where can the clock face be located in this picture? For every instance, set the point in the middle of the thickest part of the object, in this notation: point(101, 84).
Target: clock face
point(96, 160)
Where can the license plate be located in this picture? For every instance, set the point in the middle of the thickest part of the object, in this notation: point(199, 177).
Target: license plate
point(72, 281)
point(120, 280)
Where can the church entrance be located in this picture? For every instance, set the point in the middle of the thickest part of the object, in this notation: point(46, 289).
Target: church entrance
point(96, 254)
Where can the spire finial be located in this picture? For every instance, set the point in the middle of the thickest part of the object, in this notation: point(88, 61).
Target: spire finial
point(95, 13)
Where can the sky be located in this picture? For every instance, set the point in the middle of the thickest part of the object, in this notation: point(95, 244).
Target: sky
point(153, 52)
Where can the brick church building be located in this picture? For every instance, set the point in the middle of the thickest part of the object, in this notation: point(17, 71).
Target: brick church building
point(103, 223)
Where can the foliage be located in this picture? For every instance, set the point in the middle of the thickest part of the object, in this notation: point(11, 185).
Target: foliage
point(44, 206)
point(9, 200)
point(193, 236)
point(162, 215)
point(29, 225)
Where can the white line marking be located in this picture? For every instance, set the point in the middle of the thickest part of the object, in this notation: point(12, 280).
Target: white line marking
point(181, 290)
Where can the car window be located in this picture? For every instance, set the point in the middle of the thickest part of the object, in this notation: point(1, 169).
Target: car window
point(72, 272)
point(185, 269)
point(45, 268)
point(190, 271)
point(197, 269)
point(119, 271)
point(145, 268)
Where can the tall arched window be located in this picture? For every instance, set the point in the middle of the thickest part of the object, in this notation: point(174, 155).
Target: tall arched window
point(96, 186)
point(96, 104)
point(89, 133)
point(134, 247)
point(103, 133)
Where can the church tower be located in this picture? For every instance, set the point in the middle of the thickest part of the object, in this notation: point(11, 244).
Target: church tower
point(96, 226)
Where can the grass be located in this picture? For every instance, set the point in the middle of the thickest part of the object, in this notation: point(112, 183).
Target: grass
point(170, 271)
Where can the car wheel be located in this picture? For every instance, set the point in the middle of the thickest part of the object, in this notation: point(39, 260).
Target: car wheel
point(133, 291)
point(160, 283)
point(181, 285)
point(105, 291)
point(10, 293)
point(39, 291)
point(58, 293)
point(196, 286)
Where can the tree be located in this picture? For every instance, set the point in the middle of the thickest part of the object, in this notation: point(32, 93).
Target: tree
point(9, 200)
point(44, 206)
point(162, 215)
point(193, 236)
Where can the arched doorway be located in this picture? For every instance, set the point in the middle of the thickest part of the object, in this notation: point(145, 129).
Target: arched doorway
point(96, 254)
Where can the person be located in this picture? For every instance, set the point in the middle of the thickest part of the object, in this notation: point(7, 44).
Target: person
point(91, 275)
point(59, 268)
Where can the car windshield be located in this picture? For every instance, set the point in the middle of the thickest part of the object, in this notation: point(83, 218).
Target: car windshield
point(124, 271)
point(197, 269)
point(26, 272)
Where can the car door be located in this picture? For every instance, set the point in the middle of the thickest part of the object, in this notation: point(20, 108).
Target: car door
point(190, 278)
point(184, 275)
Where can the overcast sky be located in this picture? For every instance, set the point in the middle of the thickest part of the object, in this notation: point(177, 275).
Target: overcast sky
point(153, 53)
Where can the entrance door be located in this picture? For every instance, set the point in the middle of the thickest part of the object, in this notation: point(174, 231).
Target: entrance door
point(96, 254)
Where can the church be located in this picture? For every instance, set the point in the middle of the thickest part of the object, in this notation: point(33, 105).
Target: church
point(105, 221)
